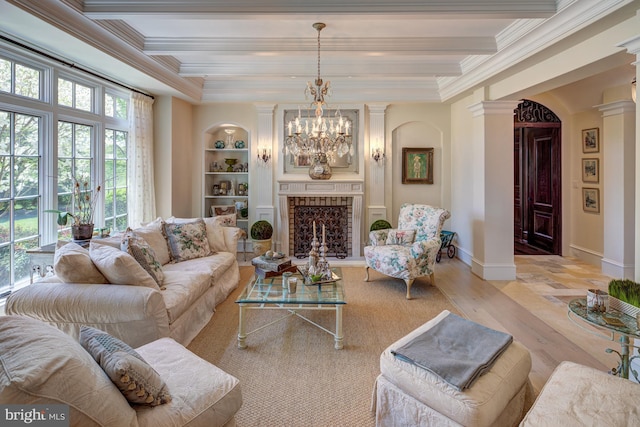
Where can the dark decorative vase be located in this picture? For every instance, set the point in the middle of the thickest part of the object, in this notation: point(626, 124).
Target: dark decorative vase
point(82, 231)
point(319, 168)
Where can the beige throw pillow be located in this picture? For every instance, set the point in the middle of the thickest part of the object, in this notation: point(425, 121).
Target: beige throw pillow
point(119, 267)
point(72, 264)
point(153, 234)
point(134, 377)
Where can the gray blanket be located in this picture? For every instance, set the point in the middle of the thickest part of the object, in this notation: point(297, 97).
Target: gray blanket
point(456, 349)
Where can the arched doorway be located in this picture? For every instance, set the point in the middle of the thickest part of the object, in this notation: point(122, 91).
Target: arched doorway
point(537, 180)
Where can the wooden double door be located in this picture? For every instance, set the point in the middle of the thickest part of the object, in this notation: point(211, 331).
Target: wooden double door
point(537, 187)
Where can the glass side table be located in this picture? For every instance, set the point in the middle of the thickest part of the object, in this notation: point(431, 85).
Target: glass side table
point(614, 323)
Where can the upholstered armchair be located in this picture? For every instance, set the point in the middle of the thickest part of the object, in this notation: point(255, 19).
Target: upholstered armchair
point(409, 251)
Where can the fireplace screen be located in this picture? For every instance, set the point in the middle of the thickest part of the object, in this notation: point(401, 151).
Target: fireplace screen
point(336, 222)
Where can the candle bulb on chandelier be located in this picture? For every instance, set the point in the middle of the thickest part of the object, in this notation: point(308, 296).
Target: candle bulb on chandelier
point(323, 234)
point(314, 229)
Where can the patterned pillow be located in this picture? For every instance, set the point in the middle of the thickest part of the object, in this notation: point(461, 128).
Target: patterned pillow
point(142, 252)
point(225, 220)
point(401, 237)
point(134, 377)
point(187, 240)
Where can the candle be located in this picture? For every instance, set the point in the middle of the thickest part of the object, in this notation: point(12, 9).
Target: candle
point(323, 234)
point(290, 126)
point(314, 229)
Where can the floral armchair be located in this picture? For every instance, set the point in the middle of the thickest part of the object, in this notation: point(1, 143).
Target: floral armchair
point(409, 251)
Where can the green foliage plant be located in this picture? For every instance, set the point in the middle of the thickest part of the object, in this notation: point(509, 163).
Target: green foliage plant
point(380, 224)
point(625, 290)
point(83, 206)
point(261, 230)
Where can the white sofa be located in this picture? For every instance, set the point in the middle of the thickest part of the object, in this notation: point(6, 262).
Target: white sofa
point(135, 310)
point(40, 365)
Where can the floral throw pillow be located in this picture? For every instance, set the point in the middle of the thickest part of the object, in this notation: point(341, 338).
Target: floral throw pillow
point(401, 237)
point(142, 252)
point(187, 240)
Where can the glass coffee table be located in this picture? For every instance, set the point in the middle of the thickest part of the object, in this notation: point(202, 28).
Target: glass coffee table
point(268, 294)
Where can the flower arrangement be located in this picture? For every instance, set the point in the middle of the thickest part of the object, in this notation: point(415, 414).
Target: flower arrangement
point(83, 204)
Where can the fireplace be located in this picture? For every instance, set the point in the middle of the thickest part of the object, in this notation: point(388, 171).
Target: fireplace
point(334, 213)
point(335, 203)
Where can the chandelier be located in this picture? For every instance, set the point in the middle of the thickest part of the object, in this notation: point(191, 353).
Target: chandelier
point(321, 139)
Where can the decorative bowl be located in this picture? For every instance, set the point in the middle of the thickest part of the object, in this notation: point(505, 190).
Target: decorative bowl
point(219, 144)
point(239, 144)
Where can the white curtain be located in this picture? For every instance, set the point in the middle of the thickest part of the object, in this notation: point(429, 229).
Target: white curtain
point(141, 198)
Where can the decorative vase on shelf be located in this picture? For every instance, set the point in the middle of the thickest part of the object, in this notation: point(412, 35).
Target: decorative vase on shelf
point(230, 163)
point(82, 231)
point(320, 168)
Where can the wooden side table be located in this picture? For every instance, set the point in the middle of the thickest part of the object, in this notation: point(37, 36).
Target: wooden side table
point(41, 260)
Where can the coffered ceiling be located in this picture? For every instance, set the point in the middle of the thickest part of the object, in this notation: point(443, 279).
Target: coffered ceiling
point(265, 50)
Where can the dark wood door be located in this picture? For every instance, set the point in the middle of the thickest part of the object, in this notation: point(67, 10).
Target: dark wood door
point(540, 163)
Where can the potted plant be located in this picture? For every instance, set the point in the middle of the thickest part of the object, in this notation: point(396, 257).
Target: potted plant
point(624, 295)
point(82, 212)
point(261, 233)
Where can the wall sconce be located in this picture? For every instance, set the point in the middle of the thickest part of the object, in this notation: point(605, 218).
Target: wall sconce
point(377, 153)
point(264, 156)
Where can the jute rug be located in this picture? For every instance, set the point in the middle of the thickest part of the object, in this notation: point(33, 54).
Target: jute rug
point(291, 375)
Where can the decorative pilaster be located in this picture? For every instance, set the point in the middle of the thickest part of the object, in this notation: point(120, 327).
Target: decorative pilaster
point(618, 188)
point(376, 208)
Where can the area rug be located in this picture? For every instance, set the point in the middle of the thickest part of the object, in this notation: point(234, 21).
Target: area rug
point(291, 375)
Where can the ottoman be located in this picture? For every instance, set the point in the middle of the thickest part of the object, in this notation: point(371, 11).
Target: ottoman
point(577, 395)
point(406, 394)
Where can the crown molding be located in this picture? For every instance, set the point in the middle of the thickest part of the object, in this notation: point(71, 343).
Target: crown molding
point(116, 9)
point(572, 18)
point(65, 18)
point(392, 46)
point(292, 91)
point(261, 70)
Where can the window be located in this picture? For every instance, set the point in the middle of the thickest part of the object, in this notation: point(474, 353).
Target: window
point(115, 179)
point(83, 134)
point(74, 164)
point(20, 136)
point(20, 79)
point(116, 107)
point(75, 95)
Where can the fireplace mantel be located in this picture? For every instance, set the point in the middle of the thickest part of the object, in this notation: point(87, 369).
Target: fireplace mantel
point(353, 188)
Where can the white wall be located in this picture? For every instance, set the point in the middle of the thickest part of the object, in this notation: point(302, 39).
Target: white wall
point(417, 126)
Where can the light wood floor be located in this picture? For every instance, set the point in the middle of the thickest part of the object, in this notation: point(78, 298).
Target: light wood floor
point(533, 308)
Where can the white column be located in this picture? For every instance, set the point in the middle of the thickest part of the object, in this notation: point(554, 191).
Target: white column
point(493, 190)
point(617, 177)
point(633, 47)
point(376, 208)
point(262, 177)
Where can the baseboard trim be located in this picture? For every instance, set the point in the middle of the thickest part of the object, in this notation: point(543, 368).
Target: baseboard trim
point(493, 271)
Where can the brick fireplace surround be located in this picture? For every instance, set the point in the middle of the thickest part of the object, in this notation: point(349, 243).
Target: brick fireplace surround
point(325, 194)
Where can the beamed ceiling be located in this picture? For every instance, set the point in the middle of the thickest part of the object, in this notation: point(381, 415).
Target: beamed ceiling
point(265, 50)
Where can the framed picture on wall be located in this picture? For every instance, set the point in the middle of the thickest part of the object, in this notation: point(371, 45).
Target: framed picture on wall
point(591, 200)
point(590, 170)
point(590, 141)
point(417, 165)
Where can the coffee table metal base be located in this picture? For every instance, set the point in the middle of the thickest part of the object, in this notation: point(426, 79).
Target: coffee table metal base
point(292, 310)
